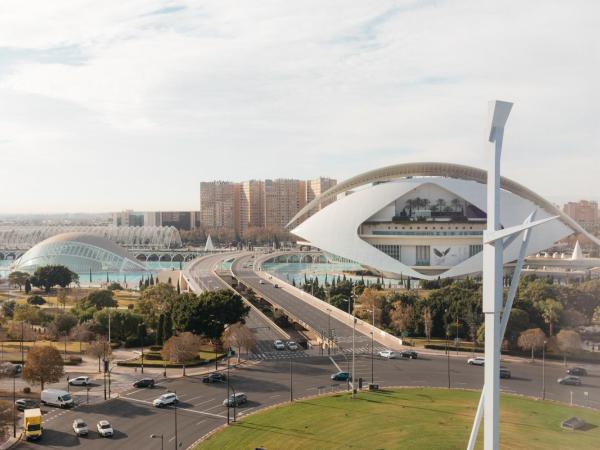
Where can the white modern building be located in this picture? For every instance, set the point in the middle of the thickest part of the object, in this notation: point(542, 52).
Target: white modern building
point(424, 220)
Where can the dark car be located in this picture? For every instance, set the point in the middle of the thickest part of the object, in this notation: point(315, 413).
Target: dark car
point(409, 354)
point(504, 372)
point(341, 376)
point(144, 382)
point(26, 403)
point(570, 380)
point(214, 377)
point(579, 371)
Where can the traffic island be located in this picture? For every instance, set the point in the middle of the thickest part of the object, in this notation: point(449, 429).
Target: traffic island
point(415, 418)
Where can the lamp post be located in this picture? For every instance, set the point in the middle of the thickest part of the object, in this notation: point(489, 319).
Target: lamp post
point(544, 370)
point(162, 440)
point(328, 331)
point(353, 341)
point(228, 353)
point(14, 371)
point(373, 344)
point(175, 412)
point(448, 358)
point(291, 379)
point(141, 335)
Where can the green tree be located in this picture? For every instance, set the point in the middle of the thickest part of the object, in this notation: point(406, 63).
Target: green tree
point(100, 299)
point(53, 275)
point(155, 300)
point(517, 323)
point(550, 309)
point(36, 300)
point(123, 323)
point(18, 278)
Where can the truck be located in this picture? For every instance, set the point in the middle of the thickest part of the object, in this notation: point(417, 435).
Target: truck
point(57, 397)
point(32, 423)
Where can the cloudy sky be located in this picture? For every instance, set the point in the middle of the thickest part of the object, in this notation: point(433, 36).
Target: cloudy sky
point(130, 104)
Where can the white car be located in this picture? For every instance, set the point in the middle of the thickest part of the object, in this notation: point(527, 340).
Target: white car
point(165, 400)
point(80, 427)
point(79, 381)
point(261, 282)
point(477, 361)
point(279, 345)
point(105, 429)
point(387, 354)
point(292, 346)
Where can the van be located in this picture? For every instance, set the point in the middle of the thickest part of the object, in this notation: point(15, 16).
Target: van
point(57, 397)
point(32, 423)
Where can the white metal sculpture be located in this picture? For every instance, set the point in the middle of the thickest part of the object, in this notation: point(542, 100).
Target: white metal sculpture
point(494, 241)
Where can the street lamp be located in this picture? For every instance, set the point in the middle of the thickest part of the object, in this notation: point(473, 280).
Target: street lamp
point(328, 331)
point(373, 344)
point(141, 333)
point(162, 440)
point(544, 370)
point(353, 341)
point(291, 379)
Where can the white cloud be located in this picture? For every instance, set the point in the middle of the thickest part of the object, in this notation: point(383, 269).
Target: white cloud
point(115, 96)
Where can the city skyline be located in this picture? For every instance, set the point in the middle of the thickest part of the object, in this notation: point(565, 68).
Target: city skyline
point(107, 99)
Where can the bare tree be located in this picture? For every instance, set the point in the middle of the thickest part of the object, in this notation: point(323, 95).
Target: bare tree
point(44, 365)
point(401, 316)
point(239, 336)
point(568, 341)
point(531, 339)
point(181, 348)
point(81, 333)
point(99, 349)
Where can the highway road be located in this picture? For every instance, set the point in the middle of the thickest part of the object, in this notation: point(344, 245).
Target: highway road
point(312, 316)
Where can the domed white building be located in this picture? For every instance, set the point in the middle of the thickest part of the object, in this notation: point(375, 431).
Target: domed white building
point(424, 220)
point(81, 253)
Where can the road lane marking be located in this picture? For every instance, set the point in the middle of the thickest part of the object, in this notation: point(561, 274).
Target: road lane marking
point(274, 396)
point(335, 364)
point(200, 396)
point(181, 409)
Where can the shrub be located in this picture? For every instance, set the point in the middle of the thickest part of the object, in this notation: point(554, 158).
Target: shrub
point(155, 348)
point(152, 356)
point(130, 306)
point(26, 390)
point(36, 300)
point(114, 286)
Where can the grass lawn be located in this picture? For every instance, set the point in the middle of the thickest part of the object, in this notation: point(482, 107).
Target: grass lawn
point(407, 419)
point(12, 349)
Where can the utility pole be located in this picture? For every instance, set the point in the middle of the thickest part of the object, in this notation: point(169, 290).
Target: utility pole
point(228, 386)
point(544, 370)
point(353, 367)
point(22, 346)
point(14, 402)
point(291, 379)
point(448, 359)
point(328, 331)
point(175, 408)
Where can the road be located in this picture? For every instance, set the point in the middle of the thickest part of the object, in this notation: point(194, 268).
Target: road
point(268, 382)
point(312, 316)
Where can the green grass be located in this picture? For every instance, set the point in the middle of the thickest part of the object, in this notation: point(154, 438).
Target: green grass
point(406, 419)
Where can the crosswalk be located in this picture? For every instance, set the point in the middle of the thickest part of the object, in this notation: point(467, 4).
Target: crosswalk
point(280, 355)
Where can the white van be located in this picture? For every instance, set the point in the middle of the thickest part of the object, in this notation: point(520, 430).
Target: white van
point(56, 397)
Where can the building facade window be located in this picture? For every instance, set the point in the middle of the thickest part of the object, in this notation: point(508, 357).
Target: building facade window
point(474, 249)
point(423, 255)
point(390, 250)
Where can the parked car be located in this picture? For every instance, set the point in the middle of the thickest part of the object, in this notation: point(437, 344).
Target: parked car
point(275, 285)
point(579, 371)
point(570, 380)
point(292, 346)
point(236, 399)
point(477, 361)
point(79, 381)
point(279, 345)
point(261, 281)
point(214, 377)
point(105, 428)
point(504, 372)
point(387, 354)
point(80, 427)
point(341, 376)
point(165, 400)
point(144, 382)
point(18, 368)
point(26, 403)
point(411, 354)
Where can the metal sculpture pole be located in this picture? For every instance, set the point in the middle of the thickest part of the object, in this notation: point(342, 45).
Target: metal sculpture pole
point(494, 241)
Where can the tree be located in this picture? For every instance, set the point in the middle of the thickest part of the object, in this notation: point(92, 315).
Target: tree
point(82, 332)
point(99, 349)
point(44, 365)
point(155, 300)
point(370, 300)
point(182, 348)
point(53, 275)
point(550, 310)
point(531, 339)
point(427, 322)
point(517, 323)
point(123, 323)
point(62, 326)
point(239, 336)
point(28, 313)
point(36, 300)
point(401, 317)
point(8, 308)
point(568, 341)
point(18, 278)
point(100, 299)
point(27, 286)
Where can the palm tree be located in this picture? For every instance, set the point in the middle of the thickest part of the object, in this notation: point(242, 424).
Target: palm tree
point(550, 310)
point(441, 204)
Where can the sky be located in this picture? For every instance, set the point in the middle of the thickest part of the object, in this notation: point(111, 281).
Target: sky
point(130, 104)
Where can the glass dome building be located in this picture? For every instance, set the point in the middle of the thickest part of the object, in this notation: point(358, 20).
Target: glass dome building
point(81, 253)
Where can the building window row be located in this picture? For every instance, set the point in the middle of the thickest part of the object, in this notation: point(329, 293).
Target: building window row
point(390, 250)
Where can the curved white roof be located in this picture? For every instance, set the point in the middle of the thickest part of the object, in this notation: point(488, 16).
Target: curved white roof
point(438, 169)
point(80, 252)
point(335, 228)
